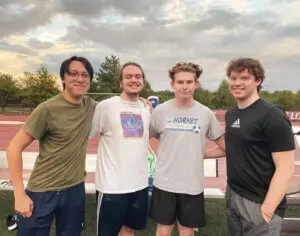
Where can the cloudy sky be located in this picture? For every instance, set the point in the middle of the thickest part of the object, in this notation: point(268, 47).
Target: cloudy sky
point(156, 34)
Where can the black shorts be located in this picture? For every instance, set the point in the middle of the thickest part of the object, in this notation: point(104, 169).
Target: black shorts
point(116, 210)
point(166, 207)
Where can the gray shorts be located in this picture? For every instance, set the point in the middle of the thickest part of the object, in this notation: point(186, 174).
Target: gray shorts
point(244, 217)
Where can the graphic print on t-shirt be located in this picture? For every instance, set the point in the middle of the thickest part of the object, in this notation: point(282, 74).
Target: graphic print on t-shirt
point(132, 125)
point(183, 123)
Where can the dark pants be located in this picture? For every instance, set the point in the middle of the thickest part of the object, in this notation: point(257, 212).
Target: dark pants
point(67, 206)
point(244, 217)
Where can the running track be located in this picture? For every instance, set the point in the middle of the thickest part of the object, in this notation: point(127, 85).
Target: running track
point(8, 131)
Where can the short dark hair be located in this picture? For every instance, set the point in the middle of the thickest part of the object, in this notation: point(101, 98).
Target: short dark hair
point(253, 66)
point(185, 67)
point(64, 68)
point(131, 64)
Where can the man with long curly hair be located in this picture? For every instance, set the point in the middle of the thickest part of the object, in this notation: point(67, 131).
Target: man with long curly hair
point(182, 125)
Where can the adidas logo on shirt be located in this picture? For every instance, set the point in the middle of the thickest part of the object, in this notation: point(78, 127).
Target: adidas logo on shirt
point(236, 124)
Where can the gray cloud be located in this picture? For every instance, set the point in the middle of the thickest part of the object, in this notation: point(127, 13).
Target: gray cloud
point(19, 21)
point(92, 8)
point(158, 46)
point(240, 28)
point(290, 31)
point(80, 8)
point(4, 46)
point(37, 44)
point(215, 18)
point(120, 37)
point(210, 36)
point(4, 3)
point(281, 1)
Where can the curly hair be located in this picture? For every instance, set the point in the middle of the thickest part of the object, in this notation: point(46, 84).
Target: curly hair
point(253, 66)
point(185, 67)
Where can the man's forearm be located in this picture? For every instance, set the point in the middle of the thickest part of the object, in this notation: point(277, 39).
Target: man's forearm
point(277, 190)
point(153, 135)
point(15, 167)
point(215, 152)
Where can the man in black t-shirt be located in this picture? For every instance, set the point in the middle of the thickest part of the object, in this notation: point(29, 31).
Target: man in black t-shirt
point(259, 154)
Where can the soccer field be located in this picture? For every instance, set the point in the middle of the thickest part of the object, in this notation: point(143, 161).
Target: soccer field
point(215, 217)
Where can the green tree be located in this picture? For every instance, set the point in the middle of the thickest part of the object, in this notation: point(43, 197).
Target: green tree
point(286, 99)
point(164, 95)
point(203, 96)
point(8, 89)
point(222, 98)
point(38, 86)
point(297, 100)
point(147, 91)
point(267, 95)
point(107, 78)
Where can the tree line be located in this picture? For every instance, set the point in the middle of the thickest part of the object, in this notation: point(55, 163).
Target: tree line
point(35, 87)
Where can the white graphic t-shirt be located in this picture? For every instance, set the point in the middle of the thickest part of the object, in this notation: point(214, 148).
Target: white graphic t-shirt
point(123, 127)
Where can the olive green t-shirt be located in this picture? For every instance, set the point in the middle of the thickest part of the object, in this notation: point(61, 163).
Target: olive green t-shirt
point(62, 129)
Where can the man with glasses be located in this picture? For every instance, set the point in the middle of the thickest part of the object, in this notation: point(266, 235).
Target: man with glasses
point(56, 185)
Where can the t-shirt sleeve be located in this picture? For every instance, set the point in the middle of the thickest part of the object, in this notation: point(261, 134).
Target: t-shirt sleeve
point(97, 123)
point(153, 127)
point(214, 129)
point(37, 123)
point(94, 103)
point(278, 131)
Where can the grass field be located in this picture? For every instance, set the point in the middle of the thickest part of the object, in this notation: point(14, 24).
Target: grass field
point(215, 217)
